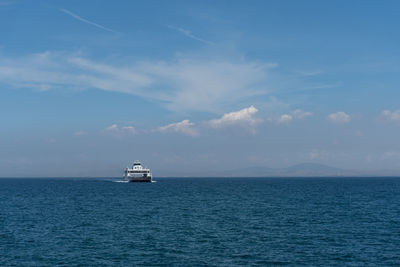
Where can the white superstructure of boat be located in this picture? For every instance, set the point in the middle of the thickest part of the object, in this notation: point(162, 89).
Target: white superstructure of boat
point(137, 173)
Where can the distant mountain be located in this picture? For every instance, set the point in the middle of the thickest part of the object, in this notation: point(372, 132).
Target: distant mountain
point(314, 169)
point(299, 170)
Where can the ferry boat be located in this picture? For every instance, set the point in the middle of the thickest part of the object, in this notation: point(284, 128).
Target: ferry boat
point(137, 173)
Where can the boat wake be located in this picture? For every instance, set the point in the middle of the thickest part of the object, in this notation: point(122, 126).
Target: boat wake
point(124, 181)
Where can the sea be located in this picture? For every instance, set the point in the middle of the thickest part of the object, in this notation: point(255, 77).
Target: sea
point(200, 222)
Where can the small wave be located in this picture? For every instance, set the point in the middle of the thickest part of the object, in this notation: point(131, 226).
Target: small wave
point(154, 181)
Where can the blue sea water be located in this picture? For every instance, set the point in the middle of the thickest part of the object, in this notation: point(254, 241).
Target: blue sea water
point(200, 222)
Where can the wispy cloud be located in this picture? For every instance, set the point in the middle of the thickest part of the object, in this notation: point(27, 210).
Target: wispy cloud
point(190, 34)
point(184, 127)
point(317, 154)
point(309, 73)
point(66, 11)
point(390, 155)
point(182, 84)
point(359, 133)
point(117, 131)
point(80, 133)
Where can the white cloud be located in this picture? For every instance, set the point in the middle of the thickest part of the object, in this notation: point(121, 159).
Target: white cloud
point(181, 84)
point(66, 11)
point(285, 118)
point(113, 127)
point(300, 114)
point(120, 131)
point(391, 115)
point(243, 117)
point(128, 129)
point(184, 127)
point(296, 114)
point(339, 117)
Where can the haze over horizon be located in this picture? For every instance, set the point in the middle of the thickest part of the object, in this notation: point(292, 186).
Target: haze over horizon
point(193, 85)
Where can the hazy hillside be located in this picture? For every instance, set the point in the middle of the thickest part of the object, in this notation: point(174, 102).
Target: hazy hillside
point(299, 170)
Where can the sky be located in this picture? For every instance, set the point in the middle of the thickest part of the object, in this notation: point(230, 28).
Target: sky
point(87, 87)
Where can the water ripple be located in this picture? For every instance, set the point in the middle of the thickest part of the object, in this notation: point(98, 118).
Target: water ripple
point(200, 222)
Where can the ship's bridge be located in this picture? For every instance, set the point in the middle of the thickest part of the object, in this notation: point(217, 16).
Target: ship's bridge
point(137, 165)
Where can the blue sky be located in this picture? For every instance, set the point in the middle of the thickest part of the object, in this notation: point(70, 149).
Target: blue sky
point(86, 87)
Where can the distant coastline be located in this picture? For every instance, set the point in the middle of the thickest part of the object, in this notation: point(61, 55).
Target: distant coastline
point(304, 170)
point(300, 170)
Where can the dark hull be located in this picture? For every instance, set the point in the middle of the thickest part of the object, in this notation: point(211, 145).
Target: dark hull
point(139, 180)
